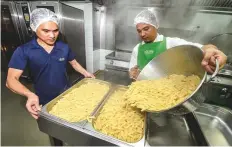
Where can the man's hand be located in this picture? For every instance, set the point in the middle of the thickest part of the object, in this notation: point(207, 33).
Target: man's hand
point(32, 105)
point(80, 69)
point(88, 75)
point(134, 72)
point(211, 53)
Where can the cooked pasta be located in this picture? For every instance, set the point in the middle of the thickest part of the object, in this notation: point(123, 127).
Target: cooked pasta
point(120, 120)
point(77, 105)
point(161, 94)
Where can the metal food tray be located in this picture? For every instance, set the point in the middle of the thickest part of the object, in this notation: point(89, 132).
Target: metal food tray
point(215, 121)
point(89, 125)
point(45, 109)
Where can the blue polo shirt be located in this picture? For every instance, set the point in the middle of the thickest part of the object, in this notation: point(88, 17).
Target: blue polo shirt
point(48, 70)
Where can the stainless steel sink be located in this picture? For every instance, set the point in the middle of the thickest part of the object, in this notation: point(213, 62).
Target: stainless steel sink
point(167, 130)
point(215, 122)
point(119, 55)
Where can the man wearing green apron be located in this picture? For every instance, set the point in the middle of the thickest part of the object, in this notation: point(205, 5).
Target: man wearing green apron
point(148, 51)
point(154, 44)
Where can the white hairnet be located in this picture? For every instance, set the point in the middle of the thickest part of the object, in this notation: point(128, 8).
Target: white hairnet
point(148, 17)
point(41, 15)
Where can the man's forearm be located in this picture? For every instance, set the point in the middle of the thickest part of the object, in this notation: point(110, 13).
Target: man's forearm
point(15, 86)
point(78, 68)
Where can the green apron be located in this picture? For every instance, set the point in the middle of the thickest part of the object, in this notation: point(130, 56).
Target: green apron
point(148, 51)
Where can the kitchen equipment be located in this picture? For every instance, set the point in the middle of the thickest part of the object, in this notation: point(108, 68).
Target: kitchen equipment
point(14, 30)
point(183, 60)
point(224, 43)
point(215, 121)
point(50, 105)
point(219, 91)
point(97, 111)
point(84, 127)
point(117, 66)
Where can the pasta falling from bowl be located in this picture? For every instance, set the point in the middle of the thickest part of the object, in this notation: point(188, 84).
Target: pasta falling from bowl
point(161, 94)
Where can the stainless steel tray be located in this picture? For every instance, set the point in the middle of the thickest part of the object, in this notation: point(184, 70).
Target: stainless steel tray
point(45, 109)
point(89, 125)
point(215, 121)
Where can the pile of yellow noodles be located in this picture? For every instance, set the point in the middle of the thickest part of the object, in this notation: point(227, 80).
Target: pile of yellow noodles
point(161, 94)
point(120, 120)
point(118, 117)
point(77, 105)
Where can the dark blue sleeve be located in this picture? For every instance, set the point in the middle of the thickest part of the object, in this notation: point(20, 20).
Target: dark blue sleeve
point(18, 59)
point(71, 55)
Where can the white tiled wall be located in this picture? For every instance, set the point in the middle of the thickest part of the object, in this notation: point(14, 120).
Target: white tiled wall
point(88, 15)
point(96, 60)
point(103, 53)
point(99, 59)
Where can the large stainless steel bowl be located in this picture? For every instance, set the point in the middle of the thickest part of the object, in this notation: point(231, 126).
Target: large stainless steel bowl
point(184, 60)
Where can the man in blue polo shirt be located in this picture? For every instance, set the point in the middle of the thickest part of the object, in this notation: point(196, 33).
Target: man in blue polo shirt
point(47, 59)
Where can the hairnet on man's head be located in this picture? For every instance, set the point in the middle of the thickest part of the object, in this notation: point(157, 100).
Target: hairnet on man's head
point(147, 17)
point(41, 15)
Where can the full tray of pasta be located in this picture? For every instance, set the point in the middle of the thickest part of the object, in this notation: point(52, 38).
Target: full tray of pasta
point(118, 120)
point(77, 103)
